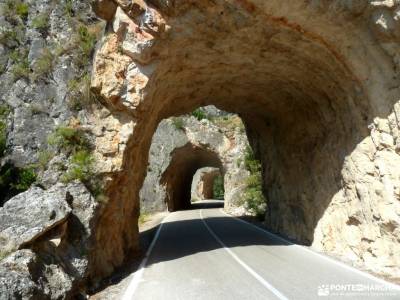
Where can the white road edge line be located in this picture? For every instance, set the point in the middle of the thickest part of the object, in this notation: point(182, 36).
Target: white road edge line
point(350, 268)
point(243, 264)
point(130, 291)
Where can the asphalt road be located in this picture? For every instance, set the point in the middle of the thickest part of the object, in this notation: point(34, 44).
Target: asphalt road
point(204, 254)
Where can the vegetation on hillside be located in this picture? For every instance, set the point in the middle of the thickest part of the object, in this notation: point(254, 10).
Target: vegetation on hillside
point(178, 123)
point(4, 111)
point(253, 197)
point(200, 114)
point(75, 144)
point(218, 187)
point(21, 18)
point(229, 123)
point(14, 180)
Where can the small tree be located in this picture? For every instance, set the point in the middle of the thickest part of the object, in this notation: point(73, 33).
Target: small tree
point(218, 187)
point(254, 199)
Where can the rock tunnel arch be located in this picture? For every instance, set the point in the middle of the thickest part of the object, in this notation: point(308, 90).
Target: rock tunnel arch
point(203, 183)
point(306, 80)
point(179, 175)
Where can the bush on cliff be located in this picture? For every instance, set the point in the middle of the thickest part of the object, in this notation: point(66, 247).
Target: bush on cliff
point(4, 111)
point(254, 199)
point(218, 187)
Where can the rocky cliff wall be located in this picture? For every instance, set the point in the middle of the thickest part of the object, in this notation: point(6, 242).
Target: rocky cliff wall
point(46, 51)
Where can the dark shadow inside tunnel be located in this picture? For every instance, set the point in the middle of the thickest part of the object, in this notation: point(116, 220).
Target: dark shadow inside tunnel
point(178, 176)
point(193, 237)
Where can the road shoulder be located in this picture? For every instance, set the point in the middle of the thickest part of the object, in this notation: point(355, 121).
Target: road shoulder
point(114, 286)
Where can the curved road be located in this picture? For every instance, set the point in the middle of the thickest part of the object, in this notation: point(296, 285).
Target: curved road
point(204, 254)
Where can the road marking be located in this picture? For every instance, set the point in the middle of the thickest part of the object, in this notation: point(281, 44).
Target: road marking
point(130, 291)
point(350, 268)
point(243, 264)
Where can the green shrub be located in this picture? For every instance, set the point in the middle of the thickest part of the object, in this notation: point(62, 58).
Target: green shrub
point(3, 138)
point(255, 201)
point(41, 22)
point(68, 7)
point(251, 162)
point(22, 9)
point(15, 180)
point(7, 176)
point(8, 36)
point(253, 197)
point(199, 114)
point(79, 92)
point(178, 123)
point(16, 7)
point(20, 67)
point(84, 41)
point(69, 139)
point(43, 65)
point(81, 167)
point(218, 187)
point(44, 158)
point(4, 112)
point(20, 70)
point(87, 40)
point(26, 177)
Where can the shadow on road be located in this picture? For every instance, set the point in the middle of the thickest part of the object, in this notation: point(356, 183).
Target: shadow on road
point(183, 238)
point(187, 237)
point(207, 204)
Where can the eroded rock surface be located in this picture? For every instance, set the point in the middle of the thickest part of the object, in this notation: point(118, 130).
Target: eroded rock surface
point(315, 82)
point(16, 281)
point(29, 215)
point(56, 229)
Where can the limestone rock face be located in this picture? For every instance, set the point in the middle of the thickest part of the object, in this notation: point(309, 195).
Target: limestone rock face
point(31, 214)
point(27, 275)
point(15, 277)
point(45, 60)
point(37, 83)
point(317, 86)
point(57, 225)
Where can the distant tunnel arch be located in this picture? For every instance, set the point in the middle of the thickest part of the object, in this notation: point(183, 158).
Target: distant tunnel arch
point(203, 183)
point(178, 177)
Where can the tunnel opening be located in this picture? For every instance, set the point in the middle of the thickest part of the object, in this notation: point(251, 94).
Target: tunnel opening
point(207, 183)
point(179, 175)
point(305, 95)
